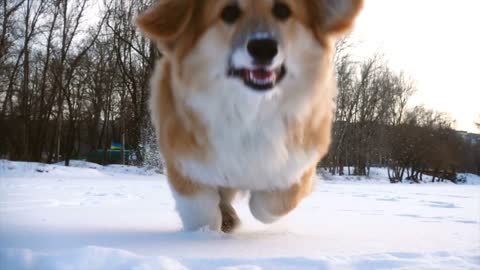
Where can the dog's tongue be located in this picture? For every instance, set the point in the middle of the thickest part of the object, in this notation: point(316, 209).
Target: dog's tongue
point(262, 74)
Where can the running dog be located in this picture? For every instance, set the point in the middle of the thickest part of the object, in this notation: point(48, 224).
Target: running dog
point(242, 100)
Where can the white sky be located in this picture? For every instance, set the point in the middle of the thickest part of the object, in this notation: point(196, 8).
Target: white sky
point(436, 42)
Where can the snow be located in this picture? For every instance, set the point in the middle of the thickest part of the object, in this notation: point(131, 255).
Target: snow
point(117, 217)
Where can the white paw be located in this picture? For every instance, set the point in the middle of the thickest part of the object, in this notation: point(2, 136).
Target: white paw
point(200, 210)
point(259, 208)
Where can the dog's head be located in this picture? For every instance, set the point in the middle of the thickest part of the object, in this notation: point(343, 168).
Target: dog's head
point(258, 44)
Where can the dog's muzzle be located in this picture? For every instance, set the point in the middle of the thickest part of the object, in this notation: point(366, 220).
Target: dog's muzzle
point(261, 76)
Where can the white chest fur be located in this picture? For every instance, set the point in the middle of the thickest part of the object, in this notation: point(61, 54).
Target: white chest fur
point(247, 135)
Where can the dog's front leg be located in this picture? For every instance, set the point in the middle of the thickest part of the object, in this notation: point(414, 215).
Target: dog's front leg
point(199, 210)
point(269, 206)
point(196, 204)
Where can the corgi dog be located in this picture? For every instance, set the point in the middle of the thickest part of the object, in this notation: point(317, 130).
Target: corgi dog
point(242, 100)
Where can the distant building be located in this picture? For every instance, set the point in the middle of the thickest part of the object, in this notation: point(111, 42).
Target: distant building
point(471, 138)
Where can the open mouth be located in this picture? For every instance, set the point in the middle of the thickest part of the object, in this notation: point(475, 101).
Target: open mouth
point(259, 79)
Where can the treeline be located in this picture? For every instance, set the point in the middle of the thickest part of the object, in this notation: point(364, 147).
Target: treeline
point(74, 76)
point(424, 143)
point(374, 127)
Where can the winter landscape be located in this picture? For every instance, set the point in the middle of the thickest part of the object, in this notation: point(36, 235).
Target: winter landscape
point(399, 188)
point(92, 217)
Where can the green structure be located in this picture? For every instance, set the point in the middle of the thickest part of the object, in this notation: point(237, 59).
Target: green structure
point(109, 157)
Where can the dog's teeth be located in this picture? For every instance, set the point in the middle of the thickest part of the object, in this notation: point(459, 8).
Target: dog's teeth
point(250, 76)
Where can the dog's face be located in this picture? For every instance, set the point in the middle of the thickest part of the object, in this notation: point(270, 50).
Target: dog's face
point(252, 44)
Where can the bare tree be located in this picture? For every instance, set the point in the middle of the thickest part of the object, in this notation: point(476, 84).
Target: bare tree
point(371, 96)
point(69, 86)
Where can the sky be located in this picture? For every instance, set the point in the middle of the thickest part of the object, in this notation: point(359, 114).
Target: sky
point(437, 43)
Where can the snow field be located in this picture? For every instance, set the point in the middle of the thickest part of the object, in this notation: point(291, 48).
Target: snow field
point(115, 217)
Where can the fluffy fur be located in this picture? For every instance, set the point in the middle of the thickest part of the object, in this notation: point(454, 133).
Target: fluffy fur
point(215, 132)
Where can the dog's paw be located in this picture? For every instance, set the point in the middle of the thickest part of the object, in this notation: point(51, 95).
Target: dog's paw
point(259, 207)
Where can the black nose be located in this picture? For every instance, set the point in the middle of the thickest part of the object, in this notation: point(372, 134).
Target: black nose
point(263, 50)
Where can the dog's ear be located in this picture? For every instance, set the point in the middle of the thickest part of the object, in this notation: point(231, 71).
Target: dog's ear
point(166, 21)
point(334, 16)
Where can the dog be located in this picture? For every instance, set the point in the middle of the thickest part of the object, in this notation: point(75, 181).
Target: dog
point(242, 100)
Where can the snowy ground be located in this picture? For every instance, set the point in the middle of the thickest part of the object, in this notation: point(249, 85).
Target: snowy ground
point(92, 217)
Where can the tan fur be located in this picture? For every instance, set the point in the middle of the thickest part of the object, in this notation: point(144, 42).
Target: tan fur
point(176, 135)
point(287, 200)
point(176, 26)
point(281, 202)
point(181, 183)
point(311, 133)
point(179, 134)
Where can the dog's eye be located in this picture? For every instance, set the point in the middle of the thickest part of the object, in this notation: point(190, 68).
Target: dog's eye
point(231, 13)
point(281, 11)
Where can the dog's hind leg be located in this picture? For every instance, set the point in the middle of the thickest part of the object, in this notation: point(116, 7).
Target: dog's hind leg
point(230, 220)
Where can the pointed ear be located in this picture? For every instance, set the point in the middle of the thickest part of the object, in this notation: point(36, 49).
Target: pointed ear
point(341, 14)
point(166, 21)
point(335, 16)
